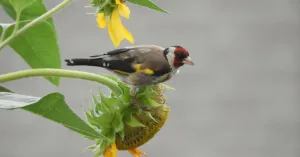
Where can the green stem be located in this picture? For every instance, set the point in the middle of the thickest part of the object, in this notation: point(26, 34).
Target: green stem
point(62, 73)
point(17, 24)
point(3, 33)
point(35, 22)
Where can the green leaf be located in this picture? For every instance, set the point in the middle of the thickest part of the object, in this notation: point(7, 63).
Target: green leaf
point(131, 121)
point(117, 123)
point(100, 147)
point(19, 5)
point(105, 120)
point(10, 100)
point(3, 89)
point(38, 45)
point(52, 107)
point(148, 4)
point(150, 116)
point(1, 30)
point(149, 102)
point(122, 133)
point(37, 48)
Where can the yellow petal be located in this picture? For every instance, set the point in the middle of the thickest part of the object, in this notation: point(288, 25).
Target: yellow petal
point(117, 25)
point(118, 1)
point(114, 150)
point(112, 35)
point(107, 153)
point(124, 11)
point(101, 20)
point(136, 152)
point(127, 35)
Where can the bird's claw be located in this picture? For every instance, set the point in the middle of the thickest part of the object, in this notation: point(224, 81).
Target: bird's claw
point(136, 152)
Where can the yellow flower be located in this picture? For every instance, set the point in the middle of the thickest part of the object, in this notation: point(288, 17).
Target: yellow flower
point(116, 29)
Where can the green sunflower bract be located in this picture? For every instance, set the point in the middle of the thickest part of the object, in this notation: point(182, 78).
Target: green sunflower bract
point(122, 122)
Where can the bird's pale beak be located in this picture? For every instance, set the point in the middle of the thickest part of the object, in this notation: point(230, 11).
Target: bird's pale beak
point(188, 60)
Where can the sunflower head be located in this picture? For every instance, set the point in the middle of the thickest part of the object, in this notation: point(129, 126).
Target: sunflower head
point(122, 122)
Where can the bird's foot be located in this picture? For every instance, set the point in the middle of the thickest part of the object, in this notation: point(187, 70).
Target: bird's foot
point(136, 152)
point(111, 151)
point(139, 105)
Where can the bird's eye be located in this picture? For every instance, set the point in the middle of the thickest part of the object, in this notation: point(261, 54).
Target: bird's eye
point(179, 55)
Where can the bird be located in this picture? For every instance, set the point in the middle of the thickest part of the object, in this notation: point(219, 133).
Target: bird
point(139, 65)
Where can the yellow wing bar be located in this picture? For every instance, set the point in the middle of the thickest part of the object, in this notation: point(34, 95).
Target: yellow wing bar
point(138, 69)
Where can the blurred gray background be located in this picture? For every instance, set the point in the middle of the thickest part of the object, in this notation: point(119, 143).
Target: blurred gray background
point(241, 99)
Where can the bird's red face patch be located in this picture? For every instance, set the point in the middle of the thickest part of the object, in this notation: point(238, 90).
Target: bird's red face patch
point(183, 51)
point(180, 54)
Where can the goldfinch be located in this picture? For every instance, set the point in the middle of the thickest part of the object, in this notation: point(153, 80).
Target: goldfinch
point(139, 65)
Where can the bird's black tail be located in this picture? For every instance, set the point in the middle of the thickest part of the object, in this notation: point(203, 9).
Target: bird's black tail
point(87, 62)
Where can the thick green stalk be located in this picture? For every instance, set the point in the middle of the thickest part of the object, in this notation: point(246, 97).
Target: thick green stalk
point(62, 73)
point(35, 22)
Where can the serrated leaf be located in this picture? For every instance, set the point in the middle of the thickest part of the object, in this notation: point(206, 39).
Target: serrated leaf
point(117, 123)
point(110, 103)
point(149, 102)
point(38, 45)
point(99, 106)
point(52, 107)
point(104, 120)
point(150, 116)
point(148, 4)
point(91, 120)
point(122, 134)
point(19, 5)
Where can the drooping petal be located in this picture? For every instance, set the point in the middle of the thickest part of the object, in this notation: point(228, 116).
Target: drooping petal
point(127, 35)
point(107, 153)
point(112, 35)
point(101, 20)
point(118, 2)
point(137, 153)
point(124, 10)
point(114, 150)
point(117, 25)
